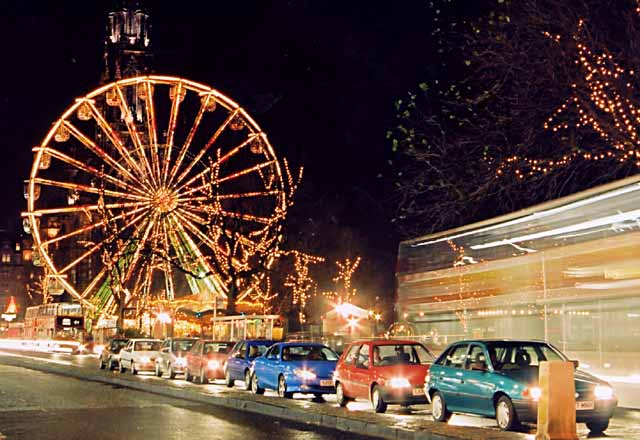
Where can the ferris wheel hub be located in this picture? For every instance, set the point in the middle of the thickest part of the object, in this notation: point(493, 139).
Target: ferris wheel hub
point(165, 200)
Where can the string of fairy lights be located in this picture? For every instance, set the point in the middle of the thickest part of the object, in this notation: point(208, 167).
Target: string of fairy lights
point(604, 101)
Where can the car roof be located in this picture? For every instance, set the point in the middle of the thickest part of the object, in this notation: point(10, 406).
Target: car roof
point(182, 339)
point(249, 341)
point(297, 343)
point(385, 342)
point(216, 341)
point(144, 339)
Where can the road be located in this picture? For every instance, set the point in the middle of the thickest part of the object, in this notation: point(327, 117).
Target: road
point(42, 406)
point(624, 425)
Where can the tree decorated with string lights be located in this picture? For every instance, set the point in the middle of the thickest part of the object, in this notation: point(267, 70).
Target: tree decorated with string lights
point(530, 100)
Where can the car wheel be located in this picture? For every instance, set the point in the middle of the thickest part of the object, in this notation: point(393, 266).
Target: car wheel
point(247, 380)
point(121, 368)
point(439, 410)
point(506, 414)
point(255, 385)
point(187, 376)
point(230, 382)
point(101, 364)
point(203, 377)
point(340, 396)
point(172, 373)
point(282, 388)
point(377, 401)
point(158, 371)
point(133, 369)
point(598, 426)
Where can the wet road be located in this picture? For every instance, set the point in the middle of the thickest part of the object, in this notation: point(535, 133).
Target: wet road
point(42, 406)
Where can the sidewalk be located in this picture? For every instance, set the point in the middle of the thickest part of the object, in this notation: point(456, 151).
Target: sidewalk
point(324, 415)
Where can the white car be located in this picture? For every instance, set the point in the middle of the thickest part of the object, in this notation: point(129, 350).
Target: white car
point(139, 355)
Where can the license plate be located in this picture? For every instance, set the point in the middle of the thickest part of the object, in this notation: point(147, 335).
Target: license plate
point(585, 405)
point(418, 392)
point(326, 383)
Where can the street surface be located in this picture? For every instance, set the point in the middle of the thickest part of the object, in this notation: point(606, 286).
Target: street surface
point(136, 414)
point(41, 406)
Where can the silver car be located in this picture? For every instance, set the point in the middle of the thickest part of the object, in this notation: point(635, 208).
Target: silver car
point(139, 355)
point(173, 356)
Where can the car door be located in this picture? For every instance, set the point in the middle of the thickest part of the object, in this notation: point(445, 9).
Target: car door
point(125, 355)
point(476, 390)
point(237, 361)
point(361, 373)
point(272, 368)
point(165, 355)
point(451, 375)
point(345, 369)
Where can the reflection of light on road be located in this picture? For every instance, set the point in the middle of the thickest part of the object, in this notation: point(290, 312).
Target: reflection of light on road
point(359, 406)
point(51, 361)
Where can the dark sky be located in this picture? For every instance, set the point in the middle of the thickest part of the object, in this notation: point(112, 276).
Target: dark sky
point(320, 77)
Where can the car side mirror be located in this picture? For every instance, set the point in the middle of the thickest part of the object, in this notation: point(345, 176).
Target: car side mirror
point(576, 363)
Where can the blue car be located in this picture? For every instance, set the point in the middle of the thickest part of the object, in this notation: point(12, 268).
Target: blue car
point(295, 367)
point(499, 378)
point(238, 365)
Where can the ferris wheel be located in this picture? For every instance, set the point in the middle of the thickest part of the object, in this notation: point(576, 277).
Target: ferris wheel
point(146, 175)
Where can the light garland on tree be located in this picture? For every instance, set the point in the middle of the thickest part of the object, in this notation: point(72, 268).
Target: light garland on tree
point(604, 103)
point(301, 283)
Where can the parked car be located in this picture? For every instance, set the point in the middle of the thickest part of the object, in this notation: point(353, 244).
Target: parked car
point(172, 359)
point(499, 378)
point(206, 359)
point(238, 366)
point(295, 367)
point(383, 371)
point(139, 355)
point(110, 356)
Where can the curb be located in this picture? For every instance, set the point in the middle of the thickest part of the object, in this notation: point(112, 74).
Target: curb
point(324, 416)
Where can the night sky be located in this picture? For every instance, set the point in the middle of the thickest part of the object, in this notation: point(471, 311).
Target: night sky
point(320, 77)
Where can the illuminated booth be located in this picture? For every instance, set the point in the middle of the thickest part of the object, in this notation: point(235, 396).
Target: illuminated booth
point(567, 271)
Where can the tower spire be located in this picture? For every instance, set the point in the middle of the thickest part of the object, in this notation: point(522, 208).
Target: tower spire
point(127, 45)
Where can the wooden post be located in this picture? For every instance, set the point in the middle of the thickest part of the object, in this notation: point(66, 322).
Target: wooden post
point(557, 404)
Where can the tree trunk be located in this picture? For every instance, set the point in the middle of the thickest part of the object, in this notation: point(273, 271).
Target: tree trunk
point(231, 298)
point(120, 323)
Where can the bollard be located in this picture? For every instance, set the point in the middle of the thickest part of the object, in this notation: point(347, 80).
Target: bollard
point(557, 403)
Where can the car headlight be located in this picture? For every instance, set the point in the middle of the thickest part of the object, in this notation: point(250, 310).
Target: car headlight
point(145, 359)
point(304, 374)
point(535, 393)
point(181, 362)
point(603, 392)
point(213, 365)
point(399, 382)
point(98, 349)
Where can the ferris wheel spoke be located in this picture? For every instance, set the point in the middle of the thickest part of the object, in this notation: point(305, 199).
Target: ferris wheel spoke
point(246, 171)
point(95, 149)
point(208, 145)
point(117, 142)
point(183, 198)
point(136, 254)
point(190, 136)
point(94, 282)
point(236, 215)
point(97, 224)
point(192, 245)
point(168, 272)
point(196, 231)
point(88, 189)
point(99, 246)
point(133, 132)
point(171, 131)
point(88, 169)
point(151, 126)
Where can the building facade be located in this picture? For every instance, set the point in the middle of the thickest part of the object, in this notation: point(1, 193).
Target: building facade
point(567, 271)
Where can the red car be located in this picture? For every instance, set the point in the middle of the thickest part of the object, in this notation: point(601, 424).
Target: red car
point(206, 359)
point(383, 371)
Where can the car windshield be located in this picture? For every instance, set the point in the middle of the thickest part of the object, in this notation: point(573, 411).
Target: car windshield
point(217, 347)
point(519, 355)
point(308, 353)
point(183, 345)
point(400, 354)
point(256, 350)
point(118, 344)
point(147, 346)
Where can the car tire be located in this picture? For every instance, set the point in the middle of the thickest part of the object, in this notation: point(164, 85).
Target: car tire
point(439, 410)
point(172, 373)
point(158, 370)
point(247, 380)
point(203, 380)
point(111, 366)
point(101, 364)
point(255, 385)
point(506, 414)
point(341, 398)
point(377, 401)
point(133, 369)
point(598, 426)
point(282, 388)
point(121, 368)
point(187, 376)
point(230, 382)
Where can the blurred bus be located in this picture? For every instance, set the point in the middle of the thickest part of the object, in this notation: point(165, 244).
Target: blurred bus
point(60, 326)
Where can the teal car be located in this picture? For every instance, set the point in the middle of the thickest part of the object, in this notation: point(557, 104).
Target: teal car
point(499, 378)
